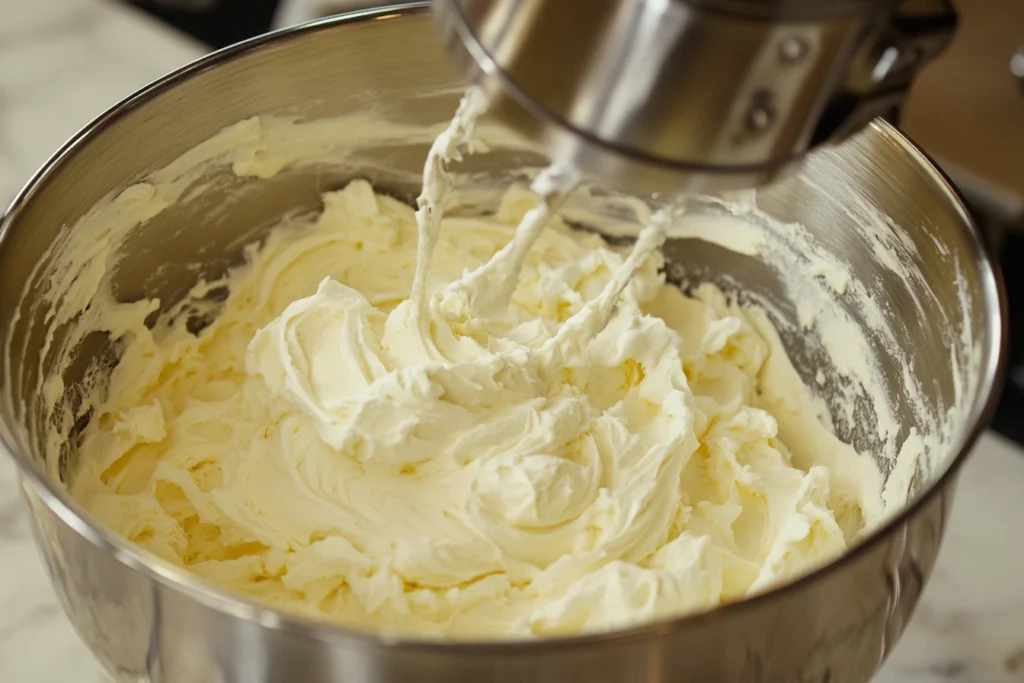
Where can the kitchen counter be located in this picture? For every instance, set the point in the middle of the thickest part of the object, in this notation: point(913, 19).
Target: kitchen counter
point(64, 61)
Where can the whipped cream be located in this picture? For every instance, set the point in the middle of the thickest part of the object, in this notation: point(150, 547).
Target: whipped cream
point(471, 427)
point(572, 464)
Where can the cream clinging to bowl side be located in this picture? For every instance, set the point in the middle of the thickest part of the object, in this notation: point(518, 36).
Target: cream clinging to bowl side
point(922, 198)
point(508, 433)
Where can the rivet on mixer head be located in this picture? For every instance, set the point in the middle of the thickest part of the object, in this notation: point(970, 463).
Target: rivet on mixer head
point(792, 50)
point(761, 113)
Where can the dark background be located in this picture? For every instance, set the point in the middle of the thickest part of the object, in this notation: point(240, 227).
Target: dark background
point(224, 23)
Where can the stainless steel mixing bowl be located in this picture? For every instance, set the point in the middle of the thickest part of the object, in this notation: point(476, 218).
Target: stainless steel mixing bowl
point(148, 621)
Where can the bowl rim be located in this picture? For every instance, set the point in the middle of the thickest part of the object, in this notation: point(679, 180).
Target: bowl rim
point(212, 596)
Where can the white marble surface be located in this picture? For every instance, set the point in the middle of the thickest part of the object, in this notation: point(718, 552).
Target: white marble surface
point(64, 61)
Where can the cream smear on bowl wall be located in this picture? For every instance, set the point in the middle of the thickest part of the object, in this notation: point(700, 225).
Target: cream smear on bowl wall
point(590, 450)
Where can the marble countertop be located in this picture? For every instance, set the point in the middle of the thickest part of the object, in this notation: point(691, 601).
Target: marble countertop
point(62, 62)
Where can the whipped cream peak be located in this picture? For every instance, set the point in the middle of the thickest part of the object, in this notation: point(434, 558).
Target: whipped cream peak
point(489, 288)
point(447, 147)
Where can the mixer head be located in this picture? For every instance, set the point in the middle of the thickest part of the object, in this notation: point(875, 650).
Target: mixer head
point(691, 95)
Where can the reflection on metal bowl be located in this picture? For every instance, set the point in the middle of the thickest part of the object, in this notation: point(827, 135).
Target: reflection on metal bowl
point(146, 620)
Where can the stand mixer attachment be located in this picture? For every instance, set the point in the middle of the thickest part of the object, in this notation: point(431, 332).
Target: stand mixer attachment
point(691, 95)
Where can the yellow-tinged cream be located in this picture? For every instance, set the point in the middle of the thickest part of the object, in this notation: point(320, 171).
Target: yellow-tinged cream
point(533, 471)
point(542, 438)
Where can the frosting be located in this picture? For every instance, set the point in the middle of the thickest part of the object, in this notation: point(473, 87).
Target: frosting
point(586, 450)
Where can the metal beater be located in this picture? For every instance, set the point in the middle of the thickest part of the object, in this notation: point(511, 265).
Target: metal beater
point(694, 95)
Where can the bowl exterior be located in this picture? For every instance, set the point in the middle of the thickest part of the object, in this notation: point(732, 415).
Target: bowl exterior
point(837, 627)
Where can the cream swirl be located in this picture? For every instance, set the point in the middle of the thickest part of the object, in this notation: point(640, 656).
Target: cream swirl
point(543, 438)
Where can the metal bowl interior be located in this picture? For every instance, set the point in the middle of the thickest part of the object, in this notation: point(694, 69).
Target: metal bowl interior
point(948, 320)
